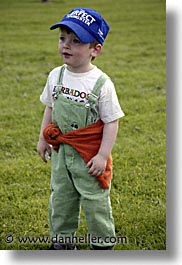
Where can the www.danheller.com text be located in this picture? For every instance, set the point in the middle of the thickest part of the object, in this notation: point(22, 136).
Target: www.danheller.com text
point(86, 239)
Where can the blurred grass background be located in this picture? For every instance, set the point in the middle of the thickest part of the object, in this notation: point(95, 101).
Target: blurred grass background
point(134, 56)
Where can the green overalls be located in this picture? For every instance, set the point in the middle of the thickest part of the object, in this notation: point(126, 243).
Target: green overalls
point(71, 185)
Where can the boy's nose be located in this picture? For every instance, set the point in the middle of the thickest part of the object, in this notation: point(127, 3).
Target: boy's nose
point(66, 44)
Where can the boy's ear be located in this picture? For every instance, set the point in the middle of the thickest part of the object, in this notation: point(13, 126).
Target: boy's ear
point(96, 50)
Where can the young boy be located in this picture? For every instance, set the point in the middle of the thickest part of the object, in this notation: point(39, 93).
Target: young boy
point(80, 98)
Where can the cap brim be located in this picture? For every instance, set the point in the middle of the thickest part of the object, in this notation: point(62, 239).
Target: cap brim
point(83, 35)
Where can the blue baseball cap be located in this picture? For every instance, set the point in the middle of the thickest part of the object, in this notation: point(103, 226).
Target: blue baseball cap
point(87, 24)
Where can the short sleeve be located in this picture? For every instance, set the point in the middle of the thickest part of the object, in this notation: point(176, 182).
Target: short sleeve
point(46, 96)
point(109, 106)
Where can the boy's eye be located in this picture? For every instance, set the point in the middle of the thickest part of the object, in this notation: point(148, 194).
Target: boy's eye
point(76, 41)
point(61, 38)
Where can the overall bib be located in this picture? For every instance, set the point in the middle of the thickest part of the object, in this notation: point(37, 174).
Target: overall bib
point(71, 185)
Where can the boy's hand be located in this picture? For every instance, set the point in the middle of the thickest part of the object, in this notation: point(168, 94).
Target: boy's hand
point(43, 148)
point(97, 165)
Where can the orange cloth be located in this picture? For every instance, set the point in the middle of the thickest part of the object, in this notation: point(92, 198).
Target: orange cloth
point(85, 141)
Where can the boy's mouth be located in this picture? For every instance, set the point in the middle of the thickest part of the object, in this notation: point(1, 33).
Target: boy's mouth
point(66, 54)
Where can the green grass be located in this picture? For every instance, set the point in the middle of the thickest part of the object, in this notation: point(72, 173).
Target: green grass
point(134, 57)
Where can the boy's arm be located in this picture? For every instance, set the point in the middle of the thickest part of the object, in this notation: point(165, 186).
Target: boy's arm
point(97, 164)
point(43, 146)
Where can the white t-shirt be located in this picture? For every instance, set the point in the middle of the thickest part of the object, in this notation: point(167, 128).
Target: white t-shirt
point(77, 86)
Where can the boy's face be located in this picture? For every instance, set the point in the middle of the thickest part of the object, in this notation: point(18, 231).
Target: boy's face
point(76, 54)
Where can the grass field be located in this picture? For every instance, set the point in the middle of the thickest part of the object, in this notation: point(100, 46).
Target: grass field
point(134, 57)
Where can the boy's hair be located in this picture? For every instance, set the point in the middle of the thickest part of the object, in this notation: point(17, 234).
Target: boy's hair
point(65, 28)
point(68, 31)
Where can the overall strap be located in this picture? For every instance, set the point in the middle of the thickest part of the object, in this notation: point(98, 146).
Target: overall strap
point(63, 67)
point(97, 88)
